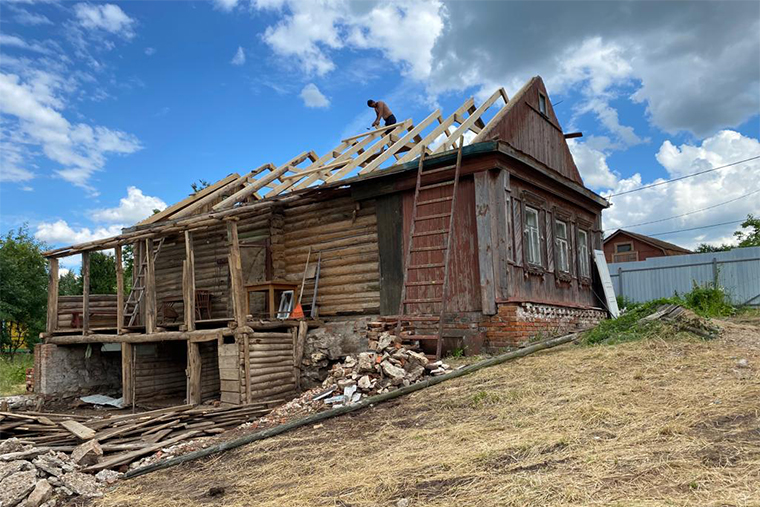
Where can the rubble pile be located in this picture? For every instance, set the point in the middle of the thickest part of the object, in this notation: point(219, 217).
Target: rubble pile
point(38, 476)
point(387, 366)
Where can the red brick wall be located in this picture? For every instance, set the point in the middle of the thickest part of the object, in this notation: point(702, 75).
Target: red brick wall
point(645, 250)
point(516, 323)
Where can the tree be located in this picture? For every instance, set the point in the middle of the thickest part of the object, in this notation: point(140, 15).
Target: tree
point(752, 237)
point(102, 273)
point(69, 284)
point(199, 185)
point(705, 248)
point(23, 288)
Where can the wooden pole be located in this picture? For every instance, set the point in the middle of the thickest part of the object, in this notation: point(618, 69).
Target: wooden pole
point(52, 304)
point(119, 290)
point(236, 276)
point(150, 289)
point(373, 400)
point(85, 293)
point(193, 373)
point(127, 373)
point(188, 282)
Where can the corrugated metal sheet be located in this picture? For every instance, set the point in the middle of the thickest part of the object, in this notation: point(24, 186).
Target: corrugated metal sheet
point(737, 271)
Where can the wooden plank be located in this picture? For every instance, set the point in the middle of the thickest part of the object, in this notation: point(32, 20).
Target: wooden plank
point(500, 233)
point(127, 373)
point(188, 200)
point(52, 300)
point(194, 363)
point(131, 456)
point(188, 283)
point(230, 397)
point(239, 298)
point(247, 365)
point(483, 212)
point(431, 137)
point(216, 194)
point(150, 288)
point(390, 244)
point(119, 289)
point(401, 142)
point(469, 123)
point(230, 373)
point(78, 429)
point(85, 292)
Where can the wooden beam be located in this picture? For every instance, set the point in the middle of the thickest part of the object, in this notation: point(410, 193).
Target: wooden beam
point(247, 364)
point(85, 292)
point(483, 218)
point(375, 131)
point(501, 232)
point(119, 289)
point(162, 336)
point(52, 300)
point(236, 276)
point(127, 373)
point(211, 197)
point(150, 289)
point(402, 142)
point(433, 135)
point(188, 200)
point(469, 123)
point(188, 283)
point(193, 373)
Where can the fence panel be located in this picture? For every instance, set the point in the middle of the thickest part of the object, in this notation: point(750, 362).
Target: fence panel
point(737, 271)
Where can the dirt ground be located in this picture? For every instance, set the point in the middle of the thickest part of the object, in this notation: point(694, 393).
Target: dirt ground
point(671, 421)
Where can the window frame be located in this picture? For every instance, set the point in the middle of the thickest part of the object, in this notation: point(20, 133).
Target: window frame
point(562, 246)
point(625, 243)
point(529, 235)
point(543, 99)
point(583, 257)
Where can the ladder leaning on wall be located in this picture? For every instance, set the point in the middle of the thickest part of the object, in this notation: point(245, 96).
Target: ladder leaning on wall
point(138, 287)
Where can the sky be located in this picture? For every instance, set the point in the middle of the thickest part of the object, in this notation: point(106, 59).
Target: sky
point(111, 110)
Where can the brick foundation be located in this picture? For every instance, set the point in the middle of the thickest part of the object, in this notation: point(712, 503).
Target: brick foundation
point(516, 323)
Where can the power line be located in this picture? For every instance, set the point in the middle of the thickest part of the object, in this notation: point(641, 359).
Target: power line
point(696, 228)
point(690, 212)
point(683, 177)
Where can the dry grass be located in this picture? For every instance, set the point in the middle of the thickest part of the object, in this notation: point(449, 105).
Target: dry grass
point(669, 421)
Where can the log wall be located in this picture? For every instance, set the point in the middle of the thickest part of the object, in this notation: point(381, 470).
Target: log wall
point(345, 232)
point(271, 365)
point(209, 371)
point(98, 302)
point(160, 370)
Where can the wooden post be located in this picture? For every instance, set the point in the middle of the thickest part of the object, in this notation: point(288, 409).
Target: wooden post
point(52, 304)
point(299, 339)
point(188, 283)
point(501, 233)
point(247, 365)
point(119, 290)
point(85, 292)
point(236, 276)
point(150, 289)
point(483, 219)
point(127, 373)
point(193, 373)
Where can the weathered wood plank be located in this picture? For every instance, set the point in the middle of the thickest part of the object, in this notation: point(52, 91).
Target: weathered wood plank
point(483, 218)
point(52, 302)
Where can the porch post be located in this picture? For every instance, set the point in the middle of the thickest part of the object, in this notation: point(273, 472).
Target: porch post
point(85, 292)
point(52, 304)
point(188, 283)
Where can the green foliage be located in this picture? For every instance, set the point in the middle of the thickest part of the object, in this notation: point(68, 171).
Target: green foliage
point(199, 185)
point(705, 248)
point(706, 300)
point(624, 303)
point(102, 273)
point(13, 373)
point(23, 286)
point(751, 237)
point(69, 284)
point(457, 352)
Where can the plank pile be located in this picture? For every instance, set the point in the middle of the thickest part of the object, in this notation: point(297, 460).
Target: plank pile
point(112, 442)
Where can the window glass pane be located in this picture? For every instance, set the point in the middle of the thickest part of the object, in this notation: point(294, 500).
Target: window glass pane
point(542, 103)
point(561, 230)
point(625, 247)
point(531, 217)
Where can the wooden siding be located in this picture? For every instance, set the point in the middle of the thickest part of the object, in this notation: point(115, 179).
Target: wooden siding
point(536, 135)
point(98, 303)
point(209, 371)
point(464, 274)
point(160, 371)
point(642, 250)
point(345, 232)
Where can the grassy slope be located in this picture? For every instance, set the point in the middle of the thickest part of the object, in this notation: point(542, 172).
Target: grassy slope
point(668, 421)
point(13, 373)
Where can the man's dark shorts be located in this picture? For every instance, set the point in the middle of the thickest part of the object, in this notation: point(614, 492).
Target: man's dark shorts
point(390, 120)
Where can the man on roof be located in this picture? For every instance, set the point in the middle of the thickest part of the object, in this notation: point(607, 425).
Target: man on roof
point(383, 112)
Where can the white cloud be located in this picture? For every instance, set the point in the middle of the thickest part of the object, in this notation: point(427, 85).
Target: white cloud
point(314, 98)
point(133, 208)
point(150, 51)
point(108, 17)
point(225, 5)
point(239, 58)
point(592, 165)
point(25, 17)
point(80, 148)
point(403, 31)
point(691, 194)
point(17, 42)
point(60, 232)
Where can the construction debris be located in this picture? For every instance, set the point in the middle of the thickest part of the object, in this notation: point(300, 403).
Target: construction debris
point(684, 319)
point(386, 368)
point(98, 443)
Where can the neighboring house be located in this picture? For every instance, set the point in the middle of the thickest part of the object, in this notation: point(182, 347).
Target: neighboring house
point(627, 246)
point(516, 264)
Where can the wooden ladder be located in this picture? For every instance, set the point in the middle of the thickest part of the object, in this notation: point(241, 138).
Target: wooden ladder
point(139, 287)
point(435, 319)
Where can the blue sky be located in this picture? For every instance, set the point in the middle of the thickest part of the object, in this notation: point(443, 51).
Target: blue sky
point(110, 110)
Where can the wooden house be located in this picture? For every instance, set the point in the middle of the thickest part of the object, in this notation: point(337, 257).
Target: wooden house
point(448, 244)
point(627, 246)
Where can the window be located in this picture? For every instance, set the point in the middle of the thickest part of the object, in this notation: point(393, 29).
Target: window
point(623, 247)
point(583, 257)
point(542, 103)
point(532, 237)
point(560, 240)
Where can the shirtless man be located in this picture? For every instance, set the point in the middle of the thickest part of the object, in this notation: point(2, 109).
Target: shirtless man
point(383, 113)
